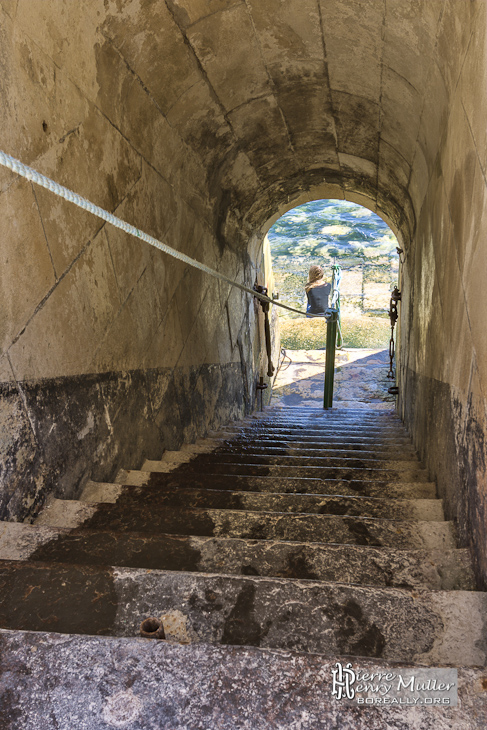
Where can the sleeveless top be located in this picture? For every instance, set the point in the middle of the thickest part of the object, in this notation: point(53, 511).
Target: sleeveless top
point(318, 298)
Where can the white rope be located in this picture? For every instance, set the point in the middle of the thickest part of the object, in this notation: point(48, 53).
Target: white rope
point(337, 277)
point(30, 174)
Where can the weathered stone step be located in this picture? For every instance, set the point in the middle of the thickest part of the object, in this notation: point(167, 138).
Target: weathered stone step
point(299, 485)
point(276, 448)
point(279, 406)
point(325, 426)
point(353, 462)
point(432, 569)
point(325, 414)
point(266, 688)
point(275, 406)
point(320, 414)
point(390, 433)
point(250, 525)
point(332, 429)
point(363, 441)
point(332, 422)
point(337, 439)
point(278, 471)
point(391, 509)
point(333, 413)
point(427, 627)
point(317, 442)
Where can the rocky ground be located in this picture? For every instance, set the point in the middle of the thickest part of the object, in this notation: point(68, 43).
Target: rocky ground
point(360, 379)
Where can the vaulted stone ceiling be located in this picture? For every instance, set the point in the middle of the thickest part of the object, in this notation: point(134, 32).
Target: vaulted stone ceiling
point(280, 97)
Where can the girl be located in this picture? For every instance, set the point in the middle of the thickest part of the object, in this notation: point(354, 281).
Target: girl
point(317, 291)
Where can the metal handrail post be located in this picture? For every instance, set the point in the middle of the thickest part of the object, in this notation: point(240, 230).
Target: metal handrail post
point(331, 336)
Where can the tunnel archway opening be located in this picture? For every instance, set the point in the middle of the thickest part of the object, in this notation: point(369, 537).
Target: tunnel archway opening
point(334, 233)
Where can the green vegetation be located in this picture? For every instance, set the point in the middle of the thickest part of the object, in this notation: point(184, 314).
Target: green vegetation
point(357, 331)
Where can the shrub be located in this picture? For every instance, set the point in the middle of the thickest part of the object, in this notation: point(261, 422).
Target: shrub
point(357, 331)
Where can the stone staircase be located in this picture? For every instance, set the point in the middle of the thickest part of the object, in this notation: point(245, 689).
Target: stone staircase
point(278, 546)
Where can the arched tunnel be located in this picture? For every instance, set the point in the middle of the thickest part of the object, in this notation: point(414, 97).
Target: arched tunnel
point(201, 122)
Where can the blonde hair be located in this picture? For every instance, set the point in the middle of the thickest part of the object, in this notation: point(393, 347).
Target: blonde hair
point(315, 277)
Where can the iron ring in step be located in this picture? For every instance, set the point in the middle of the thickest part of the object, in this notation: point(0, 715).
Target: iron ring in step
point(152, 628)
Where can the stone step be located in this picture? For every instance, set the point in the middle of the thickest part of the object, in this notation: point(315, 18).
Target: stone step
point(426, 627)
point(341, 440)
point(283, 471)
point(346, 415)
point(205, 686)
point(362, 441)
point(250, 525)
point(354, 462)
point(392, 509)
point(303, 440)
point(279, 406)
point(212, 448)
point(320, 411)
point(333, 430)
point(363, 487)
point(324, 450)
point(392, 567)
point(330, 423)
point(321, 415)
point(323, 421)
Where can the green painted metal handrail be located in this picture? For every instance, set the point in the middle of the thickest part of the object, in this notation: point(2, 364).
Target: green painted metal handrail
point(335, 302)
point(331, 336)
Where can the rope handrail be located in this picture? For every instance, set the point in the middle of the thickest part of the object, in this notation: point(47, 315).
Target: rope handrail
point(30, 174)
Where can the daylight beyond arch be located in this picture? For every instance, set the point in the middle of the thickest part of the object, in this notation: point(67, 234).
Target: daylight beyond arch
point(328, 232)
point(329, 229)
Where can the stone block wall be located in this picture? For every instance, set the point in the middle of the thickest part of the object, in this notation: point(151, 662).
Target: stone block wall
point(110, 351)
point(444, 340)
point(201, 123)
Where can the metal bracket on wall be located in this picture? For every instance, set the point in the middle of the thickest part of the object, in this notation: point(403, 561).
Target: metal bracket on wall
point(331, 316)
point(393, 314)
point(261, 386)
point(267, 328)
